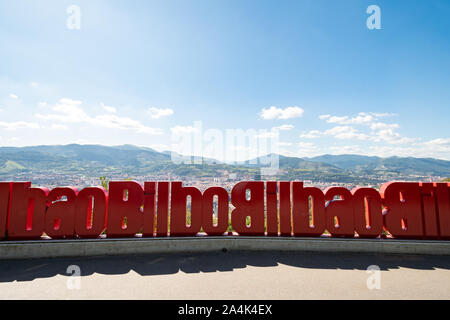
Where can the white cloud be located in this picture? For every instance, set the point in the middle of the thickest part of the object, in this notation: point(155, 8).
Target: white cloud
point(81, 141)
point(306, 145)
point(278, 113)
point(339, 120)
point(180, 130)
point(6, 141)
point(313, 134)
point(34, 84)
point(439, 148)
point(389, 151)
point(19, 125)
point(156, 113)
point(108, 108)
point(439, 142)
point(284, 127)
point(382, 115)
point(69, 111)
point(381, 131)
point(268, 134)
point(13, 96)
point(392, 137)
point(351, 149)
point(361, 118)
point(159, 147)
point(346, 132)
point(307, 149)
point(383, 126)
point(115, 122)
point(58, 127)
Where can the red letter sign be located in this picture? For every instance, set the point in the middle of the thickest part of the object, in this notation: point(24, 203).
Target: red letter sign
point(28, 208)
point(252, 208)
point(5, 204)
point(308, 210)
point(367, 211)
point(222, 211)
point(339, 213)
point(125, 218)
point(404, 214)
point(60, 217)
point(178, 215)
point(90, 215)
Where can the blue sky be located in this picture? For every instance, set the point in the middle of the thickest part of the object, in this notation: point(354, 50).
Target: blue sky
point(137, 72)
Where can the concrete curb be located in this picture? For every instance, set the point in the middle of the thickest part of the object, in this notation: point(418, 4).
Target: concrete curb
point(106, 247)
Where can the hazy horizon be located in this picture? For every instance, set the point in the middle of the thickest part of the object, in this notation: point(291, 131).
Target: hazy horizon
point(169, 151)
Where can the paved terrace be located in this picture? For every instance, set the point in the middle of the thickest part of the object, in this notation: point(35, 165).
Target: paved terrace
point(229, 275)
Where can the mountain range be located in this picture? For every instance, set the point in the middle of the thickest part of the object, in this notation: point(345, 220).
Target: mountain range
point(128, 160)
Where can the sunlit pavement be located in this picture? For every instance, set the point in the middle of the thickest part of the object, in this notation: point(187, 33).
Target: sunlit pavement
point(229, 275)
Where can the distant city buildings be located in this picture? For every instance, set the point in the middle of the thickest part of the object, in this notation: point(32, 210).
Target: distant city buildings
point(226, 180)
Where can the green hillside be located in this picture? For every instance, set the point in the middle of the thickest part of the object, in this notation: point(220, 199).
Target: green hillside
point(11, 166)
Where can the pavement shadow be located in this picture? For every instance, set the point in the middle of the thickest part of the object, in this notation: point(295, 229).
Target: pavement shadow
point(163, 264)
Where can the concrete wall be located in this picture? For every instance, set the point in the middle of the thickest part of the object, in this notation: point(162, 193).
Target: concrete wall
point(104, 247)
